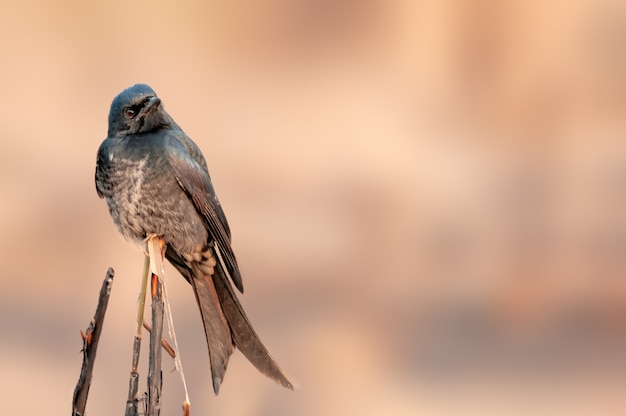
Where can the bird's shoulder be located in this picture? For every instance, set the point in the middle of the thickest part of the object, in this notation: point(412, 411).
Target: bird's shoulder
point(182, 146)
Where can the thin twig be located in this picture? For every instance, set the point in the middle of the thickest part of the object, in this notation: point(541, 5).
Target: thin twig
point(133, 384)
point(142, 294)
point(177, 361)
point(166, 346)
point(133, 399)
point(155, 250)
point(154, 363)
point(186, 408)
point(90, 347)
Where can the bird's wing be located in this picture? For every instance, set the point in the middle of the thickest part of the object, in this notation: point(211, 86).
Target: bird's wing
point(100, 174)
point(196, 183)
point(196, 154)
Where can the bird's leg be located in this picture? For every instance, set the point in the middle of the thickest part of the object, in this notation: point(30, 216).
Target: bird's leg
point(156, 251)
point(147, 268)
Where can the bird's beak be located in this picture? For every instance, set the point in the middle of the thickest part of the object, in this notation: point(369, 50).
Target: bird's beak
point(152, 104)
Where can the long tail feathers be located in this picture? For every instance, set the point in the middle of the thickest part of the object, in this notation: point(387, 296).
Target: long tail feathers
point(216, 328)
point(246, 339)
point(225, 324)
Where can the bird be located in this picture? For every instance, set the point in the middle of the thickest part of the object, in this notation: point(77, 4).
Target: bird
point(156, 182)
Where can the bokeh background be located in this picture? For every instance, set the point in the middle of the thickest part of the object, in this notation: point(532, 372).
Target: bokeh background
point(427, 199)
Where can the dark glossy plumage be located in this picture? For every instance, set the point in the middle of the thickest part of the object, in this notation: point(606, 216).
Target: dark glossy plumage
point(156, 182)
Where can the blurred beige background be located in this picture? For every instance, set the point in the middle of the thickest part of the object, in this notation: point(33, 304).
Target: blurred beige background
point(427, 198)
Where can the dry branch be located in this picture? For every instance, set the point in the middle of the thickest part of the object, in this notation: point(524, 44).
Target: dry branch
point(133, 385)
point(154, 363)
point(90, 347)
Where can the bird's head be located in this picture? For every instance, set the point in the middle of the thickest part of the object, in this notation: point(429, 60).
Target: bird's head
point(136, 110)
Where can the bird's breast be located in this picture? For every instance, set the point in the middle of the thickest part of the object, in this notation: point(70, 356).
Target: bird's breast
point(145, 198)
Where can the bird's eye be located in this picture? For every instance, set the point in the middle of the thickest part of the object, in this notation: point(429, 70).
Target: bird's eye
point(130, 113)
